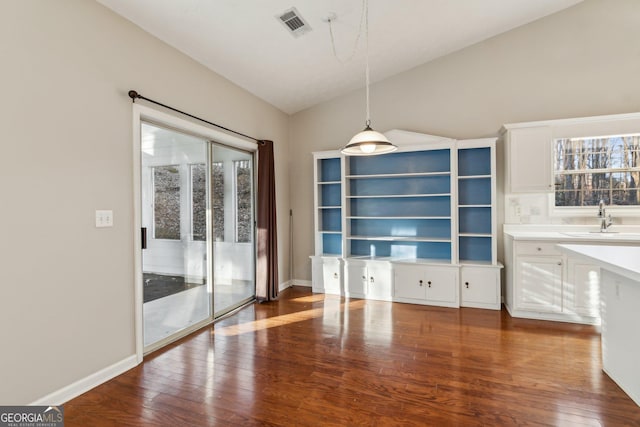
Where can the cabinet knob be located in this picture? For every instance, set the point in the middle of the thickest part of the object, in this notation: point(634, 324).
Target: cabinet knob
point(335, 275)
point(420, 282)
point(371, 279)
point(560, 263)
point(539, 249)
point(364, 277)
point(466, 284)
point(429, 283)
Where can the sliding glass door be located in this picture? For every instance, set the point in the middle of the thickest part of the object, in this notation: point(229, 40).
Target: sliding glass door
point(197, 219)
point(233, 221)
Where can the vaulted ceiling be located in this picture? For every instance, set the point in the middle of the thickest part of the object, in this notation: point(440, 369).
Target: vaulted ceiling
point(246, 42)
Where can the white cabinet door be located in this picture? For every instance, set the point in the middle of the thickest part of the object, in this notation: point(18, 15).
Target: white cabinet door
point(442, 285)
point(539, 284)
point(582, 289)
point(356, 281)
point(317, 281)
point(480, 287)
point(409, 282)
point(529, 160)
point(378, 281)
point(332, 276)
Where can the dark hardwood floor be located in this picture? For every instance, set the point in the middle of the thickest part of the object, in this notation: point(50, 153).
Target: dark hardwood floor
point(314, 360)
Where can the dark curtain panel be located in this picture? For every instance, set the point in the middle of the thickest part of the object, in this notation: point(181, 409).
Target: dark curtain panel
point(267, 264)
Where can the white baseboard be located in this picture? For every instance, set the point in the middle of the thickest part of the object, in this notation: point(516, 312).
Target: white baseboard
point(306, 283)
point(85, 384)
point(285, 285)
point(294, 282)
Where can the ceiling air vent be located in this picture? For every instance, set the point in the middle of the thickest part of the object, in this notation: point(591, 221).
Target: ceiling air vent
point(295, 23)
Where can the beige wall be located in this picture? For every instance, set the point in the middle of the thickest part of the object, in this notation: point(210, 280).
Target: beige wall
point(66, 288)
point(583, 61)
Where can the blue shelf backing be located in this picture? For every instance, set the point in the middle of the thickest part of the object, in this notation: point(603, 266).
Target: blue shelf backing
point(409, 162)
point(475, 220)
point(330, 195)
point(439, 184)
point(474, 161)
point(332, 244)
point(402, 207)
point(420, 228)
point(474, 191)
point(475, 249)
point(331, 220)
point(406, 250)
point(329, 170)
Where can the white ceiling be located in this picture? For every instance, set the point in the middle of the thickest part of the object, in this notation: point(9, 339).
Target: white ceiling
point(243, 41)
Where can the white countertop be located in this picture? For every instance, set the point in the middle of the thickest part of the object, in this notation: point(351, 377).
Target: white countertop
point(575, 236)
point(623, 260)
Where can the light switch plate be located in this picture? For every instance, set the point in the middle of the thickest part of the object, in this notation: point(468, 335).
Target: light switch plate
point(104, 218)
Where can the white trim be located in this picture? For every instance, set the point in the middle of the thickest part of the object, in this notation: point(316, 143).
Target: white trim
point(137, 226)
point(85, 384)
point(294, 282)
point(144, 113)
point(161, 118)
point(561, 122)
point(305, 283)
point(285, 285)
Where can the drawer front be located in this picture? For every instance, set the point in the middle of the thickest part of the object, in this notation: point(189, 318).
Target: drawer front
point(537, 248)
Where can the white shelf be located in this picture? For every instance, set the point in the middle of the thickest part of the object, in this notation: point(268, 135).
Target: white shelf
point(329, 182)
point(391, 196)
point(399, 175)
point(401, 239)
point(398, 260)
point(474, 206)
point(428, 261)
point(329, 207)
point(475, 235)
point(473, 176)
point(329, 232)
point(398, 217)
point(480, 263)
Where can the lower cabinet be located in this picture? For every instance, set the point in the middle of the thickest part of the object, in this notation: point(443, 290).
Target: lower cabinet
point(416, 283)
point(426, 284)
point(539, 281)
point(543, 283)
point(326, 275)
point(368, 279)
point(581, 288)
point(480, 286)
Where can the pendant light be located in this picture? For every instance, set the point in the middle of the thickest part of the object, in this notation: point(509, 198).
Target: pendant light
point(368, 142)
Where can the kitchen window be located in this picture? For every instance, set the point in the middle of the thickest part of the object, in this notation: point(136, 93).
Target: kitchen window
point(590, 169)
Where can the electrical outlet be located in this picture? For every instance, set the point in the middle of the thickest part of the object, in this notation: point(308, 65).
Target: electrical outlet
point(104, 218)
point(518, 210)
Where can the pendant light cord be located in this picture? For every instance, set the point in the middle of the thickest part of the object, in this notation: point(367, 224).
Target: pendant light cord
point(355, 44)
point(364, 22)
point(366, 72)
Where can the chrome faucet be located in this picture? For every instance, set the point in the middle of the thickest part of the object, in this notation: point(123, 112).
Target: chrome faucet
point(605, 220)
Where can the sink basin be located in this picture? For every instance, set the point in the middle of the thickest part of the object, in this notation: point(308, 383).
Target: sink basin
point(601, 234)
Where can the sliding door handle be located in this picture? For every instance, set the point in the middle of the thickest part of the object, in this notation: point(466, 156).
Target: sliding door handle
point(144, 237)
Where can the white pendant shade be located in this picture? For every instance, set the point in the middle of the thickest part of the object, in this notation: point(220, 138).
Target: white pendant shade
point(367, 143)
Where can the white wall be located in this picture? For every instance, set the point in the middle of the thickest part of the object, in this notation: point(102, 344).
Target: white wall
point(583, 61)
point(66, 294)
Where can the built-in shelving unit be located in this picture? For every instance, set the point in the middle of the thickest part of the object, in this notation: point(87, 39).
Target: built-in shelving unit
point(417, 225)
point(328, 195)
point(399, 205)
point(476, 201)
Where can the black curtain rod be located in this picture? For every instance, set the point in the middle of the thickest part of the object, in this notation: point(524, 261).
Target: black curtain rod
point(135, 95)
